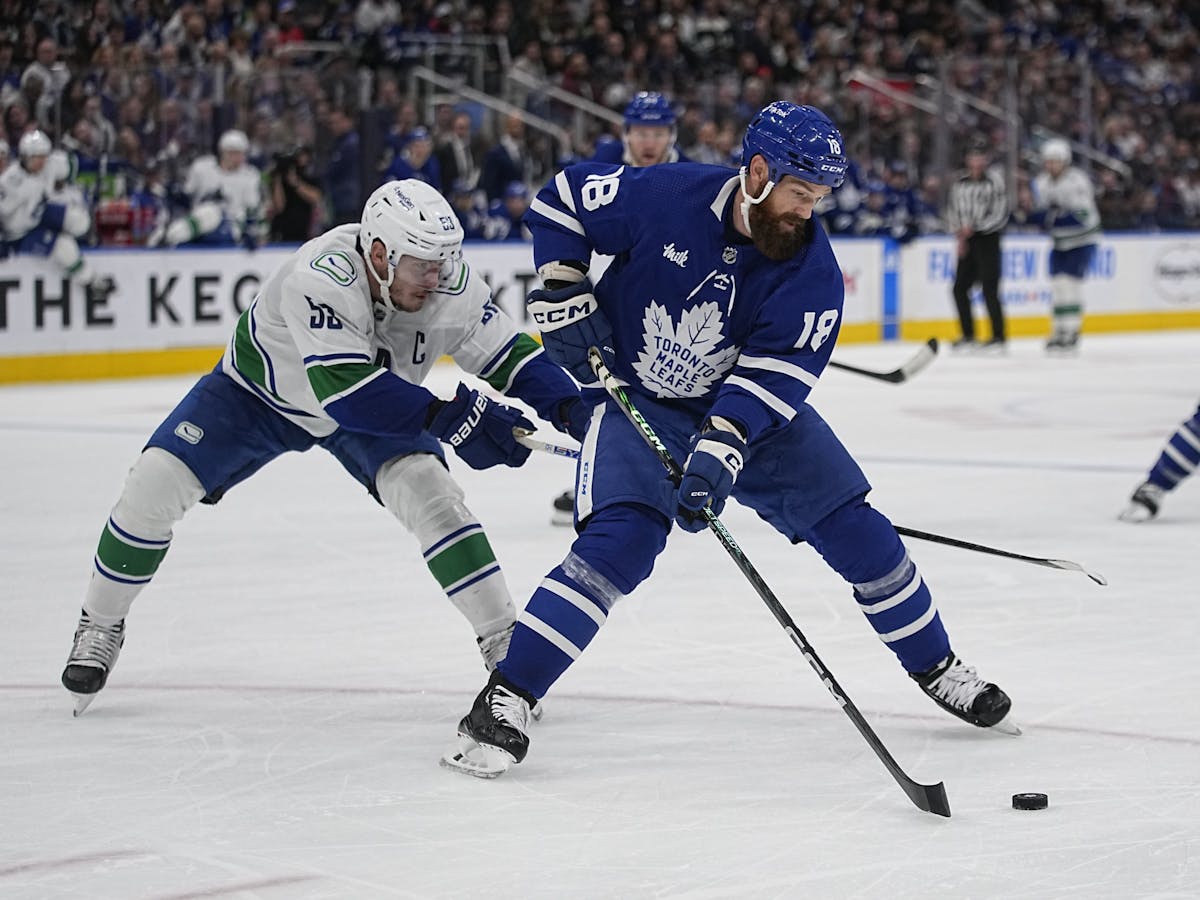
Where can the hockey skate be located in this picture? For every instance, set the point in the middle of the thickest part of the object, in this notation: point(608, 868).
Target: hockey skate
point(92, 658)
point(958, 689)
point(1144, 504)
point(492, 736)
point(494, 648)
point(964, 345)
point(1063, 343)
point(564, 509)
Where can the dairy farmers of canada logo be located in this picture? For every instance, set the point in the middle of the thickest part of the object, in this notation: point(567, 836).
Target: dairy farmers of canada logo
point(683, 361)
point(1177, 273)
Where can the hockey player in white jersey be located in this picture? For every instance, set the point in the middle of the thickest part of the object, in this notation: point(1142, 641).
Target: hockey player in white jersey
point(1065, 206)
point(226, 197)
point(332, 353)
point(39, 219)
point(718, 313)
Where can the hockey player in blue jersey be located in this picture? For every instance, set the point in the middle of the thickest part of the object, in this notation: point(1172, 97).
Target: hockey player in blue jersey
point(719, 311)
point(649, 137)
point(1180, 457)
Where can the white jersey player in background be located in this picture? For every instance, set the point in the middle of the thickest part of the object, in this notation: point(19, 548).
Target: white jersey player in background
point(39, 217)
point(332, 353)
point(226, 196)
point(1065, 206)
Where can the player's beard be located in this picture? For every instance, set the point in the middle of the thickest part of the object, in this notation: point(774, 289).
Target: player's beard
point(778, 237)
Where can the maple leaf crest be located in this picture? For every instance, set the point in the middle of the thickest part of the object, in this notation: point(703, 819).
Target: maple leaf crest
point(682, 361)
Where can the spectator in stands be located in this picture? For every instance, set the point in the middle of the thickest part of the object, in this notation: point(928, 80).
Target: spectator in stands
point(505, 216)
point(470, 208)
point(416, 160)
point(5, 154)
point(343, 173)
point(506, 162)
point(43, 80)
point(295, 197)
point(458, 153)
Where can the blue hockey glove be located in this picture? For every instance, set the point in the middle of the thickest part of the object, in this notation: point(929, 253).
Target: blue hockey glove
point(571, 322)
point(573, 416)
point(709, 473)
point(480, 431)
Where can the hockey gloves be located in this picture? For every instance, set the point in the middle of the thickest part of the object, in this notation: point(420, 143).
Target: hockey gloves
point(571, 322)
point(480, 431)
point(709, 473)
point(573, 416)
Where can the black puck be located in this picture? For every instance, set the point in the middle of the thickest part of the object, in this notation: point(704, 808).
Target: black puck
point(1030, 801)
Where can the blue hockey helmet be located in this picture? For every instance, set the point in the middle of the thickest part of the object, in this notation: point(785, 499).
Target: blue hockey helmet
point(796, 140)
point(649, 108)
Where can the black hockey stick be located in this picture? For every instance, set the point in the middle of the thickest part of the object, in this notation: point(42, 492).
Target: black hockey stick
point(980, 548)
point(929, 797)
point(534, 443)
point(920, 360)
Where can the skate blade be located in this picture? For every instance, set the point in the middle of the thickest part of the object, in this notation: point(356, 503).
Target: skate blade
point(1007, 726)
point(536, 711)
point(82, 702)
point(472, 758)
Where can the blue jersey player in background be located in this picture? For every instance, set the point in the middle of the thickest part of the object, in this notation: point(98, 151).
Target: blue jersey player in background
point(719, 310)
point(649, 138)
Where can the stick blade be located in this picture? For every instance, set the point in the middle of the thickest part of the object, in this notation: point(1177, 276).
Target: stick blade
point(929, 797)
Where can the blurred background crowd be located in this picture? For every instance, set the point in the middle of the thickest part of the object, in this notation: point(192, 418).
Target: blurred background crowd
point(486, 100)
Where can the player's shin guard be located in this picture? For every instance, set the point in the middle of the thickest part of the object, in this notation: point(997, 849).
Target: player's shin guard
point(861, 545)
point(1066, 313)
point(419, 491)
point(158, 491)
point(1180, 456)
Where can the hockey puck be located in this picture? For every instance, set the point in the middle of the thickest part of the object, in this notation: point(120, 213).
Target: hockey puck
point(1030, 801)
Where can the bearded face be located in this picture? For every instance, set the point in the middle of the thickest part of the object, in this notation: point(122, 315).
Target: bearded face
point(778, 232)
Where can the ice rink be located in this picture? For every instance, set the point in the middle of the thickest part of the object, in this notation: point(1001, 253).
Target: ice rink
point(293, 674)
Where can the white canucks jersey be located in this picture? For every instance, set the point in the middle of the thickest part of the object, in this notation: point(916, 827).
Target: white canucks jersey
point(239, 192)
point(313, 336)
point(22, 201)
point(1077, 221)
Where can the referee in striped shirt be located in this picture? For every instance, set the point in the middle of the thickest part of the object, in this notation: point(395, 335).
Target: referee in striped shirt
point(977, 211)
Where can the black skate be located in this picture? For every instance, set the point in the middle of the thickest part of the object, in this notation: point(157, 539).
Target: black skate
point(564, 509)
point(958, 689)
point(492, 736)
point(1144, 504)
point(92, 658)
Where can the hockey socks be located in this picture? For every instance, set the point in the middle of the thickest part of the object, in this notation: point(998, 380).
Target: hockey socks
point(560, 620)
point(464, 564)
point(1180, 456)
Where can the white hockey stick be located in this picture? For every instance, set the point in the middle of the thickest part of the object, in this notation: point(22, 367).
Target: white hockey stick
point(528, 439)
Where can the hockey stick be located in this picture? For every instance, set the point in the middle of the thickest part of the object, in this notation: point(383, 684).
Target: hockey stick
point(920, 360)
point(533, 443)
point(527, 439)
point(1007, 554)
point(929, 797)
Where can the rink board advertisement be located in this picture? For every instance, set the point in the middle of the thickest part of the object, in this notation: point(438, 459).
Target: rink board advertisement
point(173, 310)
point(1135, 282)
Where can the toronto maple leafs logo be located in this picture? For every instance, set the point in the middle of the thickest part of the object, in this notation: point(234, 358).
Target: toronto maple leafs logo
point(683, 361)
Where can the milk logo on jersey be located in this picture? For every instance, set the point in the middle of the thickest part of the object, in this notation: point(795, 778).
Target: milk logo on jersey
point(679, 257)
point(682, 360)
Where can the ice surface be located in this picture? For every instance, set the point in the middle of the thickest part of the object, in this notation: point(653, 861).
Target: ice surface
point(293, 674)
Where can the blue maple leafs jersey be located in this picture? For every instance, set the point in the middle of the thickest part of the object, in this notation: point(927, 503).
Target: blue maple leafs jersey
point(699, 316)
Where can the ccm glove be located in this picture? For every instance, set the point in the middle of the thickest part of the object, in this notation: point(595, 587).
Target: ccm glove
point(709, 473)
point(480, 431)
point(570, 322)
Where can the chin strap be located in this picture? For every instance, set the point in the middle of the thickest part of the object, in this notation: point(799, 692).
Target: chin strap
point(747, 200)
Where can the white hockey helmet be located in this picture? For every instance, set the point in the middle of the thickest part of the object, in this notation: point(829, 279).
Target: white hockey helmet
point(233, 140)
point(410, 218)
point(34, 143)
point(1057, 150)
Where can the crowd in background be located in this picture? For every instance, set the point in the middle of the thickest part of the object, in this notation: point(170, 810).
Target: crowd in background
point(134, 90)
